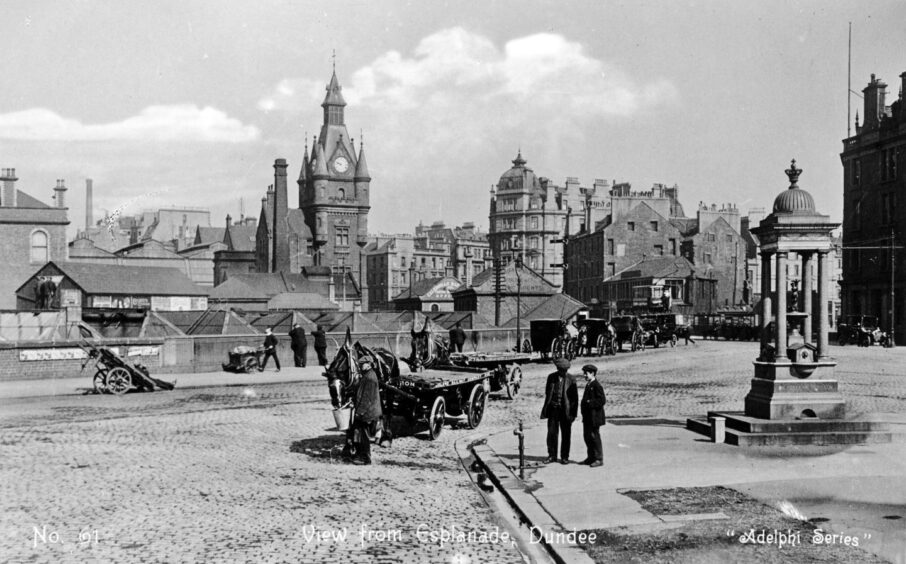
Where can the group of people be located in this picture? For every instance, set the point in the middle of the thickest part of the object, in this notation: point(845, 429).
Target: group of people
point(299, 345)
point(561, 405)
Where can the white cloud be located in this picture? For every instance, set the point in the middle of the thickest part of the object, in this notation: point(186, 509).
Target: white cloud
point(184, 122)
point(454, 67)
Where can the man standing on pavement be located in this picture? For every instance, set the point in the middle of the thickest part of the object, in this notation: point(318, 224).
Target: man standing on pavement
point(298, 344)
point(593, 400)
point(368, 414)
point(457, 338)
point(320, 345)
point(561, 403)
point(270, 349)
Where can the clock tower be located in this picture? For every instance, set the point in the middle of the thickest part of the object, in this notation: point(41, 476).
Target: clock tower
point(334, 186)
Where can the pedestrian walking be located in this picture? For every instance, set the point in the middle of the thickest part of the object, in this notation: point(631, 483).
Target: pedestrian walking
point(687, 334)
point(457, 338)
point(561, 403)
point(593, 400)
point(270, 349)
point(368, 414)
point(299, 344)
point(320, 345)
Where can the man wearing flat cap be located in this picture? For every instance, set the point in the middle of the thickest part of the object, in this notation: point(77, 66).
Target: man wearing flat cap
point(593, 400)
point(561, 403)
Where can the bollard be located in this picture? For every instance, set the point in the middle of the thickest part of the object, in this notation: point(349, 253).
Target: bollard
point(718, 429)
point(518, 432)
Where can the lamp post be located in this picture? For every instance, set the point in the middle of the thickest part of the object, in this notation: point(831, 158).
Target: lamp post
point(518, 270)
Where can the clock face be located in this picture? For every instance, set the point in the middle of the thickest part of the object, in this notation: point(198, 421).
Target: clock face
point(340, 164)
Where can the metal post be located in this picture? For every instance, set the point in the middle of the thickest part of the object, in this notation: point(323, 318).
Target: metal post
point(893, 320)
point(519, 433)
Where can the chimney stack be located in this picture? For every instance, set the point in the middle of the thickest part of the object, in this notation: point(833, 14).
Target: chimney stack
point(874, 99)
point(60, 193)
point(8, 187)
point(89, 204)
point(281, 208)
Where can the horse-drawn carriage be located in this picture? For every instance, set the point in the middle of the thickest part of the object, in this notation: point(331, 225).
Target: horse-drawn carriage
point(596, 336)
point(426, 397)
point(551, 338)
point(506, 374)
point(629, 329)
point(662, 328)
point(113, 375)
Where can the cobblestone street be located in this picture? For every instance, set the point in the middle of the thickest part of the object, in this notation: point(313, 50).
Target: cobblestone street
point(254, 474)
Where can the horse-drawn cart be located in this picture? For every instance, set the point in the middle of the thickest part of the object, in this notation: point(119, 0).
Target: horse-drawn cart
point(433, 396)
point(506, 374)
point(113, 375)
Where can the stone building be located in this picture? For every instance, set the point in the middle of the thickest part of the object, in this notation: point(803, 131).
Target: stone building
point(468, 248)
point(33, 234)
point(874, 159)
point(395, 263)
point(334, 185)
point(528, 212)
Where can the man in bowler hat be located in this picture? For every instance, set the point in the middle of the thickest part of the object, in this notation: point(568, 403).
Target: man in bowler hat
point(593, 400)
point(561, 402)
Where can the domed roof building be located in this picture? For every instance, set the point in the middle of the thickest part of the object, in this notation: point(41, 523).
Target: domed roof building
point(794, 200)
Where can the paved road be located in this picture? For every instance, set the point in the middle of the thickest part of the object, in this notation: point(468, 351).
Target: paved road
point(253, 474)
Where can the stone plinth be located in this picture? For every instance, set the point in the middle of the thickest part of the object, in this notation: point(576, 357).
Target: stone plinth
point(786, 390)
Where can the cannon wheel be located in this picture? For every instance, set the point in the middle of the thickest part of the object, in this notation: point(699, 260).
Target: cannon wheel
point(513, 381)
point(99, 382)
point(250, 364)
point(437, 417)
point(118, 380)
point(475, 409)
point(526, 346)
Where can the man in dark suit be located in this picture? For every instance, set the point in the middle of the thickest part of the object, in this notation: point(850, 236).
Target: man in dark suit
point(299, 344)
point(270, 349)
point(457, 338)
point(320, 345)
point(561, 402)
point(593, 400)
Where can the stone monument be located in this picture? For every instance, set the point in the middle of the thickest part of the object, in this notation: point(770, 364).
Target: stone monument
point(793, 397)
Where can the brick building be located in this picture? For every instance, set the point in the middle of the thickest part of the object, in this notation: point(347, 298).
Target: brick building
point(32, 232)
point(874, 160)
point(428, 295)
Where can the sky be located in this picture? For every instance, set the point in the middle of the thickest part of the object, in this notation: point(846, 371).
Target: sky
point(188, 103)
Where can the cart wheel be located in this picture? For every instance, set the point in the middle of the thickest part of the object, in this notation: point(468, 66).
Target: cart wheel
point(526, 346)
point(99, 385)
point(569, 352)
point(635, 342)
point(673, 340)
point(250, 365)
point(437, 417)
point(841, 340)
point(118, 380)
point(599, 344)
point(513, 381)
point(477, 400)
point(555, 349)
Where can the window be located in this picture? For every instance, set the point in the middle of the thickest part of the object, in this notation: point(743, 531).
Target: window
point(673, 247)
point(610, 248)
point(708, 258)
point(856, 168)
point(39, 247)
point(888, 206)
point(630, 225)
point(534, 223)
point(533, 243)
point(857, 215)
point(654, 226)
point(889, 164)
point(729, 238)
point(659, 249)
point(611, 268)
point(342, 194)
point(710, 237)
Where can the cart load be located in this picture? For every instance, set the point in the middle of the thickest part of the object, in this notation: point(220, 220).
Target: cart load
point(244, 359)
point(506, 373)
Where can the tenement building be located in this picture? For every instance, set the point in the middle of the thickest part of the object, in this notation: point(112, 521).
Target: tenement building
point(651, 224)
point(528, 213)
point(873, 180)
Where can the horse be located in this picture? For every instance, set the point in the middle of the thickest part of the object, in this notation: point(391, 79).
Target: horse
point(343, 376)
point(428, 349)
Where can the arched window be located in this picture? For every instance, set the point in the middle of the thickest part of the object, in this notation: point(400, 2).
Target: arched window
point(342, 194)
point(39, 247)
point(434, 307)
